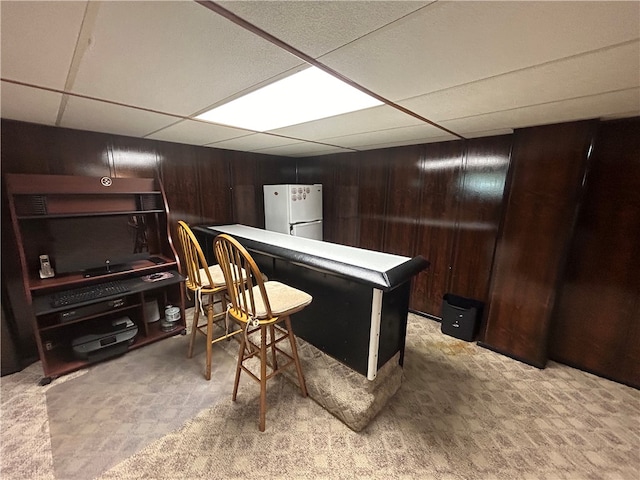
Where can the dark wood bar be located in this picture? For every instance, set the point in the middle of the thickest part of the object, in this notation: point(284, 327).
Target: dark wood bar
point(361, 297)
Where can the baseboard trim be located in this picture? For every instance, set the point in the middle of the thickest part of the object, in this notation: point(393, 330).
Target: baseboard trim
point(515, 357)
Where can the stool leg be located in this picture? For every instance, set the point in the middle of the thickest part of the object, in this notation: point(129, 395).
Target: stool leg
point(194, 327)
point(294, 352)
point(239, 366)
point(274, 360)
point(207, 374)
point(263, 376)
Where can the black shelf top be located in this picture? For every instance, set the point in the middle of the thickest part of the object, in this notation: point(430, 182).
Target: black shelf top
point(42, 303)
point(86, 214)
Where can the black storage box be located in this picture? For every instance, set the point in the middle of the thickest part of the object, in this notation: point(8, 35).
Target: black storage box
point(461, 316)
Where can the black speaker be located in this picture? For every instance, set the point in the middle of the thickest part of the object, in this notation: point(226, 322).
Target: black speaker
point(150, 202)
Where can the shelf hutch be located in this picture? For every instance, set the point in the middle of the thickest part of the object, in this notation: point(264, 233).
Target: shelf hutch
point(58, 216)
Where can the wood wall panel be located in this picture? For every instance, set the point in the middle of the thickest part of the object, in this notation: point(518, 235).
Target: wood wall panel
point(76, 152)
point(442, 170)
point(373, 183)
point(597, 322)
point(249, 172)
point(214, 186)
point(244, 187)
point(403, 200)
point(547, 169)
point(346, 199)
point(480, 193)
point(30, 148)
point(338, 175)
point(133, 157)
point(179, 174)
point(10, 359)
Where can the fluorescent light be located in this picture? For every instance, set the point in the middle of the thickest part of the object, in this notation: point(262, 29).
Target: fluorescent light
point(305, 96)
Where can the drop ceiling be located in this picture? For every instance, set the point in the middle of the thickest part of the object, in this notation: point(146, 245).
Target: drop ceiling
point(446, 69)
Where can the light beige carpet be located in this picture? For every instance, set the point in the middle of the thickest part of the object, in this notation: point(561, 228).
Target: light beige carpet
point(462, 412)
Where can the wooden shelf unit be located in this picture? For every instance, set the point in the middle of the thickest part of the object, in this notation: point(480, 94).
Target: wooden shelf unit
point(36, 200)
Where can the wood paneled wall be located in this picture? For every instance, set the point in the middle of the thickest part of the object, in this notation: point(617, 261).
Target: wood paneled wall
point(596, 325)
point(445, 201)
point(442, 201)
point(203, 185)
point(548, 167)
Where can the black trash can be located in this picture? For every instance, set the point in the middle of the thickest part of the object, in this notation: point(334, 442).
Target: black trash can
point(461, 316)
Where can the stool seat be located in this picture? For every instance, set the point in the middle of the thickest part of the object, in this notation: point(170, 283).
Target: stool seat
point(282, 298)
point(216, 275)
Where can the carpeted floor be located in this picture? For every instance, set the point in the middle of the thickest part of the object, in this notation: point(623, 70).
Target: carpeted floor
point(462, 412)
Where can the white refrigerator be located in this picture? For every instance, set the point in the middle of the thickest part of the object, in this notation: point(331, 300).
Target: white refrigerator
point(294, 209)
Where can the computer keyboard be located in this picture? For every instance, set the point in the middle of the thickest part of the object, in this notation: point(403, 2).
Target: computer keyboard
point(84, 294)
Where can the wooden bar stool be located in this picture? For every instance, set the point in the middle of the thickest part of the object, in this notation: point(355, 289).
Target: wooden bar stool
point(263, 308)
point(207, 283)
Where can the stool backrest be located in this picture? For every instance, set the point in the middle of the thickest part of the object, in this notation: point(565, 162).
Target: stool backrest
point(197, 269)
point(245, 284)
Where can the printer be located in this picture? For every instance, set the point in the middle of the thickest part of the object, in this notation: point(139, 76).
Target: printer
point(109, 340)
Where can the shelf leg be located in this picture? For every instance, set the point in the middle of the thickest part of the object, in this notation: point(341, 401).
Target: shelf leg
point(45, 381)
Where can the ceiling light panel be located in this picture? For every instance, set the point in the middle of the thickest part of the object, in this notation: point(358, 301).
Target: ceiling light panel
point(305, 96)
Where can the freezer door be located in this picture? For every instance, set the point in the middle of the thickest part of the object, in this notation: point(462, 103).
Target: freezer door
point(311, 230)
point(305, 203)
point(276, 208)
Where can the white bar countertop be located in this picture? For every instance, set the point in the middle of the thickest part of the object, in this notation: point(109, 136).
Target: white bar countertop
point(382, 270)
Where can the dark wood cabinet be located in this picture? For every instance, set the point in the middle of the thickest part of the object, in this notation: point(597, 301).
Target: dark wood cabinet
point(74, 219)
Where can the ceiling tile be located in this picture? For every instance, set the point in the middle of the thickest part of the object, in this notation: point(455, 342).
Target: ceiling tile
point(91, 115)
point(29, 104)
point(303, 150)
point(196, 133)
point(606, 70)
point(174, 57)
point(38, 40)
point(478, 68)
point(318, 27)
point(376, 118)
point(625, 102)
point(452, 43)
point(396, 136)
point(255, 142)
